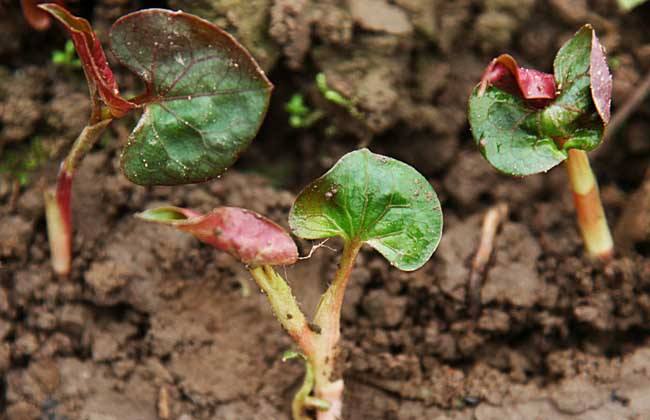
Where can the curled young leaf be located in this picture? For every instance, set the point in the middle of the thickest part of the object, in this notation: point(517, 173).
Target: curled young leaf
point(37, 18)
point(371, 198)
point(99, 75)
point(251, 238)
point(504, 73)
point(520, 137)
point(205, 97)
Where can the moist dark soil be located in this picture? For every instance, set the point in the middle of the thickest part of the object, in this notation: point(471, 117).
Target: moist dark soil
point(153, 325)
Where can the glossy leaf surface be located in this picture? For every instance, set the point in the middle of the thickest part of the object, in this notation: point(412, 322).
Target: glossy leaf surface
point(519, 138)
point(100, 77)
point(206, 97)
point(251, 238)
point(370, 198)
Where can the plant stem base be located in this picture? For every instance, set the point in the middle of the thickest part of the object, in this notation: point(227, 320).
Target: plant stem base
point(590, 213)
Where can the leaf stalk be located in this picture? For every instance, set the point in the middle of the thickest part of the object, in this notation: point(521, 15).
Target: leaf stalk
point(328, 318)
point(321, 348)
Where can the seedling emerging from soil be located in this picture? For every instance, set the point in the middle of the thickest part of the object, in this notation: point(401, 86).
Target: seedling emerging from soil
point(335, 97)
point(300, 115)
point(205, 98)
point(525, 122)
point(364, 199)
point(67, 57)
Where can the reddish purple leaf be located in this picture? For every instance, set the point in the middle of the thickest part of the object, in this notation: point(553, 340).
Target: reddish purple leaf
point(251, 238)
point(601, 79)
point(37, 18)
point(504, 73)
point(99, 75)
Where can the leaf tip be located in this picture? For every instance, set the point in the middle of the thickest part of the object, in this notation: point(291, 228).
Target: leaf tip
point(48, 7)
point(165, 215)
point(600, 79)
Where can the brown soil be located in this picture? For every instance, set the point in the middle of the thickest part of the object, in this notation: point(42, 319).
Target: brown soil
point(152, 322)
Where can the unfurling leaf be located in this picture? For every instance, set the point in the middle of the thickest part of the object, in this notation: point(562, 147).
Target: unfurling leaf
point(100, 77)
point(504, 73)
point(37, 18)
point(521, 135)
point(251, 238)
point(374, 199)
point(205, 97)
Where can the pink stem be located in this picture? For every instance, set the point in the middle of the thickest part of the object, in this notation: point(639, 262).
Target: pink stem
point(58, 212)
point(58, 203)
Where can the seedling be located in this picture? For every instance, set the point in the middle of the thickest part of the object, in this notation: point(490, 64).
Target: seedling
point(205, 98)
point(66, 57)
point(525, 122)
point(300, 115)
point(336, 97)
point(364, 199)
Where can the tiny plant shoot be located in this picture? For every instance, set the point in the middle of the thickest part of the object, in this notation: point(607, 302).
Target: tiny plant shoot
point(364, 199)
point(205, 98)
point(67, 57)
point(525, 122)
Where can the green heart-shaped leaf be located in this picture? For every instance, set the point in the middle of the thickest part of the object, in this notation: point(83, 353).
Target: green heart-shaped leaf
point(519, 138)
point(374, 199)
point(205, 101)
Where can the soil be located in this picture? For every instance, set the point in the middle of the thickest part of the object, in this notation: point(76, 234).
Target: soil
point(153, 325)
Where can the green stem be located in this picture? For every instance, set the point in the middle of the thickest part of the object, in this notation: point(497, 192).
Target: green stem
point(286, 310)
point(328, 318)
point(321, 348)
point(298, 404)
point(285, 307)
point(82, 145)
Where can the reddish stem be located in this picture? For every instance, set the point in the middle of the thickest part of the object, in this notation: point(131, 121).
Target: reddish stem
point(59, 222)
point(589, 209)
point(58, 203)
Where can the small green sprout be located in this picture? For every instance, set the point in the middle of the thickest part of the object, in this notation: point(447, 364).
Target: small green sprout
point(66, 58)
point(300, 115)
point(336, 97)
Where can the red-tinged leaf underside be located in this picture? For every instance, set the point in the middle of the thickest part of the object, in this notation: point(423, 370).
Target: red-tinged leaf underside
point(98, 74)
point(246, 235)
point(205, 101)
point(504, 73)
point(37, 18)
point(601, 79)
